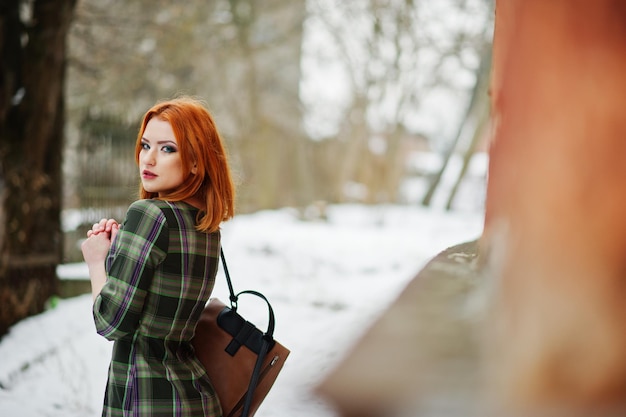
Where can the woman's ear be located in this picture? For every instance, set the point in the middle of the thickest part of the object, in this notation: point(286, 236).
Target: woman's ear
point(194, 169)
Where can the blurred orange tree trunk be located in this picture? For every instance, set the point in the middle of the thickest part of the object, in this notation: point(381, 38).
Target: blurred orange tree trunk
point(32, 68)
point(555, 229)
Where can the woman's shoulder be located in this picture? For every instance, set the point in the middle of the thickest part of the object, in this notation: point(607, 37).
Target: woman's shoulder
point(144, 216)
point(156, 204)
point(147, 205)
point(147, 208)
point(163, 210)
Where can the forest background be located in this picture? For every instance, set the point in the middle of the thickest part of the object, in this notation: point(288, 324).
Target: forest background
point(320, 102)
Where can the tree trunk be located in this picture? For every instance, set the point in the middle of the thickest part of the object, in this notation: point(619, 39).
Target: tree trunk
point(33, 53)
point(555, 231)
point(477, 137)
point(473, 107)
point(477, 115)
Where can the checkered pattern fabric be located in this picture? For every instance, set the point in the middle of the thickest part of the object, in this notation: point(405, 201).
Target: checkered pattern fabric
point(160, 274)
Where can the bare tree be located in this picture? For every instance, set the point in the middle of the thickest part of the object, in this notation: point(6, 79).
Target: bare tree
point(32, 73)
point(395, 53)
point(472, 125)
point(476, 121)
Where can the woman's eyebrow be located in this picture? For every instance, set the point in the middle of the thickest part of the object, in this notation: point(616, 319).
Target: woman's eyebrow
point(160, 142)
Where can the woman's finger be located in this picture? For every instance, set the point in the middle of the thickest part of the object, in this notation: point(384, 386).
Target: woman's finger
point(109, 224)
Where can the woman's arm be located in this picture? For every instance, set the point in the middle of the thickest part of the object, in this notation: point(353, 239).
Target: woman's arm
point(138, 249)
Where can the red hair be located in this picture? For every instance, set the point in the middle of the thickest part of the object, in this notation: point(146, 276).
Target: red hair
point(200, 145)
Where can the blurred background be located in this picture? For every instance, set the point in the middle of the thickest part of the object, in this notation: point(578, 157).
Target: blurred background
point(320, 101)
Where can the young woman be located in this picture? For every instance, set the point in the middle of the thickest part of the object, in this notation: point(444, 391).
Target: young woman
point(152, 275)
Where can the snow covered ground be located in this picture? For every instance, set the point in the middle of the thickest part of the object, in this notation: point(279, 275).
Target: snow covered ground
point(327, 282)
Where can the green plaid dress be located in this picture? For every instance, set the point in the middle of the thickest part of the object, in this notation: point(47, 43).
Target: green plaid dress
point(160, 274)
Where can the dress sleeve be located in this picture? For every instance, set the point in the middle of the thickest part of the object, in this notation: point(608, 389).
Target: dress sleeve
point(140, 246)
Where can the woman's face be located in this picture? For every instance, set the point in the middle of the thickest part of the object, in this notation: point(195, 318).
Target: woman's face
point(160, 164)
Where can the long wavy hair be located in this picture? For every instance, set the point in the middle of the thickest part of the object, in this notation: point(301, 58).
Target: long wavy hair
point(200, 145)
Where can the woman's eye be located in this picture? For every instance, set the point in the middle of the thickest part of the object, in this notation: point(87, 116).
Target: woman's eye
point(145, 146)
point(168, 149)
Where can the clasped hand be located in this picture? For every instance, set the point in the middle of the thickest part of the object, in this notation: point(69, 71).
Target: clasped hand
point(96, 247)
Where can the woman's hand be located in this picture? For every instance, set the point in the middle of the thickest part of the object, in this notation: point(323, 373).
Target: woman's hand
point(104, 225)
point(95, 249)
point(98, 242)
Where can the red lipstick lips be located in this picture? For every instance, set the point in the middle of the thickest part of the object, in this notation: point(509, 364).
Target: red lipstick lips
point(148, 174)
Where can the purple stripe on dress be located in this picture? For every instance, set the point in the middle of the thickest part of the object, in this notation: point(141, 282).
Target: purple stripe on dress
point(184, 242)
point(184, 258)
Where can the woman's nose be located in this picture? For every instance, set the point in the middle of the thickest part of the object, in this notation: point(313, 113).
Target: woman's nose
point(147, 157)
